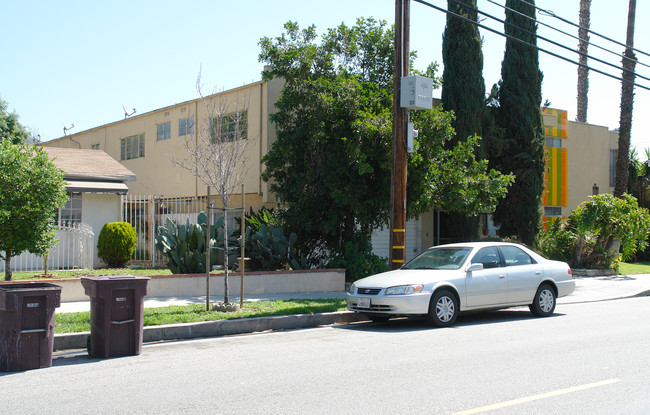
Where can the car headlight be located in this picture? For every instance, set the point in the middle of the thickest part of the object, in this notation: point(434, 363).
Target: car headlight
point(403, 289)
point(353, 289)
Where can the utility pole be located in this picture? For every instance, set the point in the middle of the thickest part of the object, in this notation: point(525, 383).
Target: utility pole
point(397, 252)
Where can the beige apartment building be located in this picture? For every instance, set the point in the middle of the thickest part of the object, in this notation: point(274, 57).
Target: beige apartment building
point(580, 157)
point(145, 143)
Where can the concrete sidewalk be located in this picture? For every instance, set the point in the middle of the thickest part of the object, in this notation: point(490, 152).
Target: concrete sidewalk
point(588, 289)
point(150, 302)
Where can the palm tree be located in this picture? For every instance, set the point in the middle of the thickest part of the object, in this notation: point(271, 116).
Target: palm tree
point(583, 72)
point(627, 101)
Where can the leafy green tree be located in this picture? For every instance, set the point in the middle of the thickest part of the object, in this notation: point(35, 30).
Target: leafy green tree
point(10, 127)
point(463, 92)
point(330, 164)
point(31, 190)
point(519, 116)
point(599, 233)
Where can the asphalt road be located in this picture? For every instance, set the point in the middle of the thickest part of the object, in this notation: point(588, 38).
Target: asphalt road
point(591, 358)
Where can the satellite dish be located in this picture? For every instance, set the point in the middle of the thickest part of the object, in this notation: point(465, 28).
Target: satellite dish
point(127, 111)
point(66, 128)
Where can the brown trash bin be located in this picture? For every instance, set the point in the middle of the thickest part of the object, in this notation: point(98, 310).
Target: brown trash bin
point(27, 325)
point(116, 319)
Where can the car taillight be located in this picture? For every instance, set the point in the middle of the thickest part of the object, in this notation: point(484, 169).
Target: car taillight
point(570, 272)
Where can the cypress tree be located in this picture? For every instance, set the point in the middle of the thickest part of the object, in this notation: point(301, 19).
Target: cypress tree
point(520, 97)
point(463, 91)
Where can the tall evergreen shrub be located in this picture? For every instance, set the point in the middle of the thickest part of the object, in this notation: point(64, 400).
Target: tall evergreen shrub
point(520, 98)
point(463, 91)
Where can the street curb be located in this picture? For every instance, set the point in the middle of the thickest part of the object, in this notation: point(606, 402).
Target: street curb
point(68, 341)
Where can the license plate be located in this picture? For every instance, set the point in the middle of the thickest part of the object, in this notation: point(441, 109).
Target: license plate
point(363, 303)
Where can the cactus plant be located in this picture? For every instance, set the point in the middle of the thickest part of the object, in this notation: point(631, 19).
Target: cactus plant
point(184, 245)
point(267, 244)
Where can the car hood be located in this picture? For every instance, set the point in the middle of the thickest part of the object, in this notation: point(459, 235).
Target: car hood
point(406, 277)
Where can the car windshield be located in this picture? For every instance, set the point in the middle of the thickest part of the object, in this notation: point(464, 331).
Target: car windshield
point(439, 258)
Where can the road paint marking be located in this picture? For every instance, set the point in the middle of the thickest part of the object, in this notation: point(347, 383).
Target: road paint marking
point(537, 397)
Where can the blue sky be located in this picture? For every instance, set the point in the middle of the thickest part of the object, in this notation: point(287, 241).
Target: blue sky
point(78, 62)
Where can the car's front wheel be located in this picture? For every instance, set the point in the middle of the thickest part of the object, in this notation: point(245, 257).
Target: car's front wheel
point(544, 302)
point(443, 309)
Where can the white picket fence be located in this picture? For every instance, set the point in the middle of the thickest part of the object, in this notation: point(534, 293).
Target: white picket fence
point(74, 250)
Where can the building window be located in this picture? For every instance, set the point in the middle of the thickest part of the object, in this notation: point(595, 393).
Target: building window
point(94, 147)
point(132, 147)
point(551, 211)
point(71, 212)
point(164, 130)
point(185, 126)
point(230, 127)
point(553, 142)
point(612, 168)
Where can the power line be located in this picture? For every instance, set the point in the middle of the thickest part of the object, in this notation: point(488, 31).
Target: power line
point(552, 14)
point(566, 33)
point(544, 38)
point(531, 45)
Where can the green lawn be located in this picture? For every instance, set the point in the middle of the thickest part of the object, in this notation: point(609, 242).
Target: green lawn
point(90, 273)
point(642, 267)
point(78, 322)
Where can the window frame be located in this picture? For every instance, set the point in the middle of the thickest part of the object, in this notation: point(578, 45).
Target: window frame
point(229, 125)
point(508, 256)
point(497, 264)
point(72, 211)
point(132, 147)
point(185, 126)
point(164, 131)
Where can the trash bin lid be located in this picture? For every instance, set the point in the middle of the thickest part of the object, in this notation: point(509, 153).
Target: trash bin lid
point(28, 286)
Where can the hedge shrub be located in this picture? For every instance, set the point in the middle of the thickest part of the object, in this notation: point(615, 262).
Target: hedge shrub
point(116, 243)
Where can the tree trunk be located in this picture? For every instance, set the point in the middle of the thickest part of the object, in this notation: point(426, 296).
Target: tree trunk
point(226, 297)
point(8, 265)
point(627, 101)
point(583, 72)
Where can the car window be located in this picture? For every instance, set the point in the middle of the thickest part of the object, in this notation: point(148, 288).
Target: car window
point(439, 258)
point(515, 256)
point(489, 257)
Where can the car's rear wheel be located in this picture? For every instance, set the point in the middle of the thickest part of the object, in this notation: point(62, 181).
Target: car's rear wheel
point(443, 309)
point(544, 302)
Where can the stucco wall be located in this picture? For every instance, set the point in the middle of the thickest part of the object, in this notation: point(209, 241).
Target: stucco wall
point(96, 210)
point(254, 283)
point(588, 148)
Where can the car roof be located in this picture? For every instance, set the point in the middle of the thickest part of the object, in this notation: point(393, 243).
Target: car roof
point(477, 244)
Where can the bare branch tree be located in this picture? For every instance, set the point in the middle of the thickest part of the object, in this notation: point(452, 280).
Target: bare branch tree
point(217, 152)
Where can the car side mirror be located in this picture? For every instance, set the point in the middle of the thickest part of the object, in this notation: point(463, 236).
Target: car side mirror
point(475, 267)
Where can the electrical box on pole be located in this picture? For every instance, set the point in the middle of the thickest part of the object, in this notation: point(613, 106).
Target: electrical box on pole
point(416, 92)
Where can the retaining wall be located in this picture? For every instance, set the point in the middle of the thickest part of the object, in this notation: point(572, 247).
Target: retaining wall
point(194, 285)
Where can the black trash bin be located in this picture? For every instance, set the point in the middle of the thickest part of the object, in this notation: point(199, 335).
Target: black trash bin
point(116, 320)
point(27, 325)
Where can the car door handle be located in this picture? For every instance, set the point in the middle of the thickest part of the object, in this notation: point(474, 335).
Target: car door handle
point(538, 272)
point(502, 277)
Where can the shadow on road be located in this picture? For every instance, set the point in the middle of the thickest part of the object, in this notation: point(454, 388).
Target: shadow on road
point(404, 324)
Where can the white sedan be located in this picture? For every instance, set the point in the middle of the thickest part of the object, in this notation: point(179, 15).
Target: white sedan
point(447, 279)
